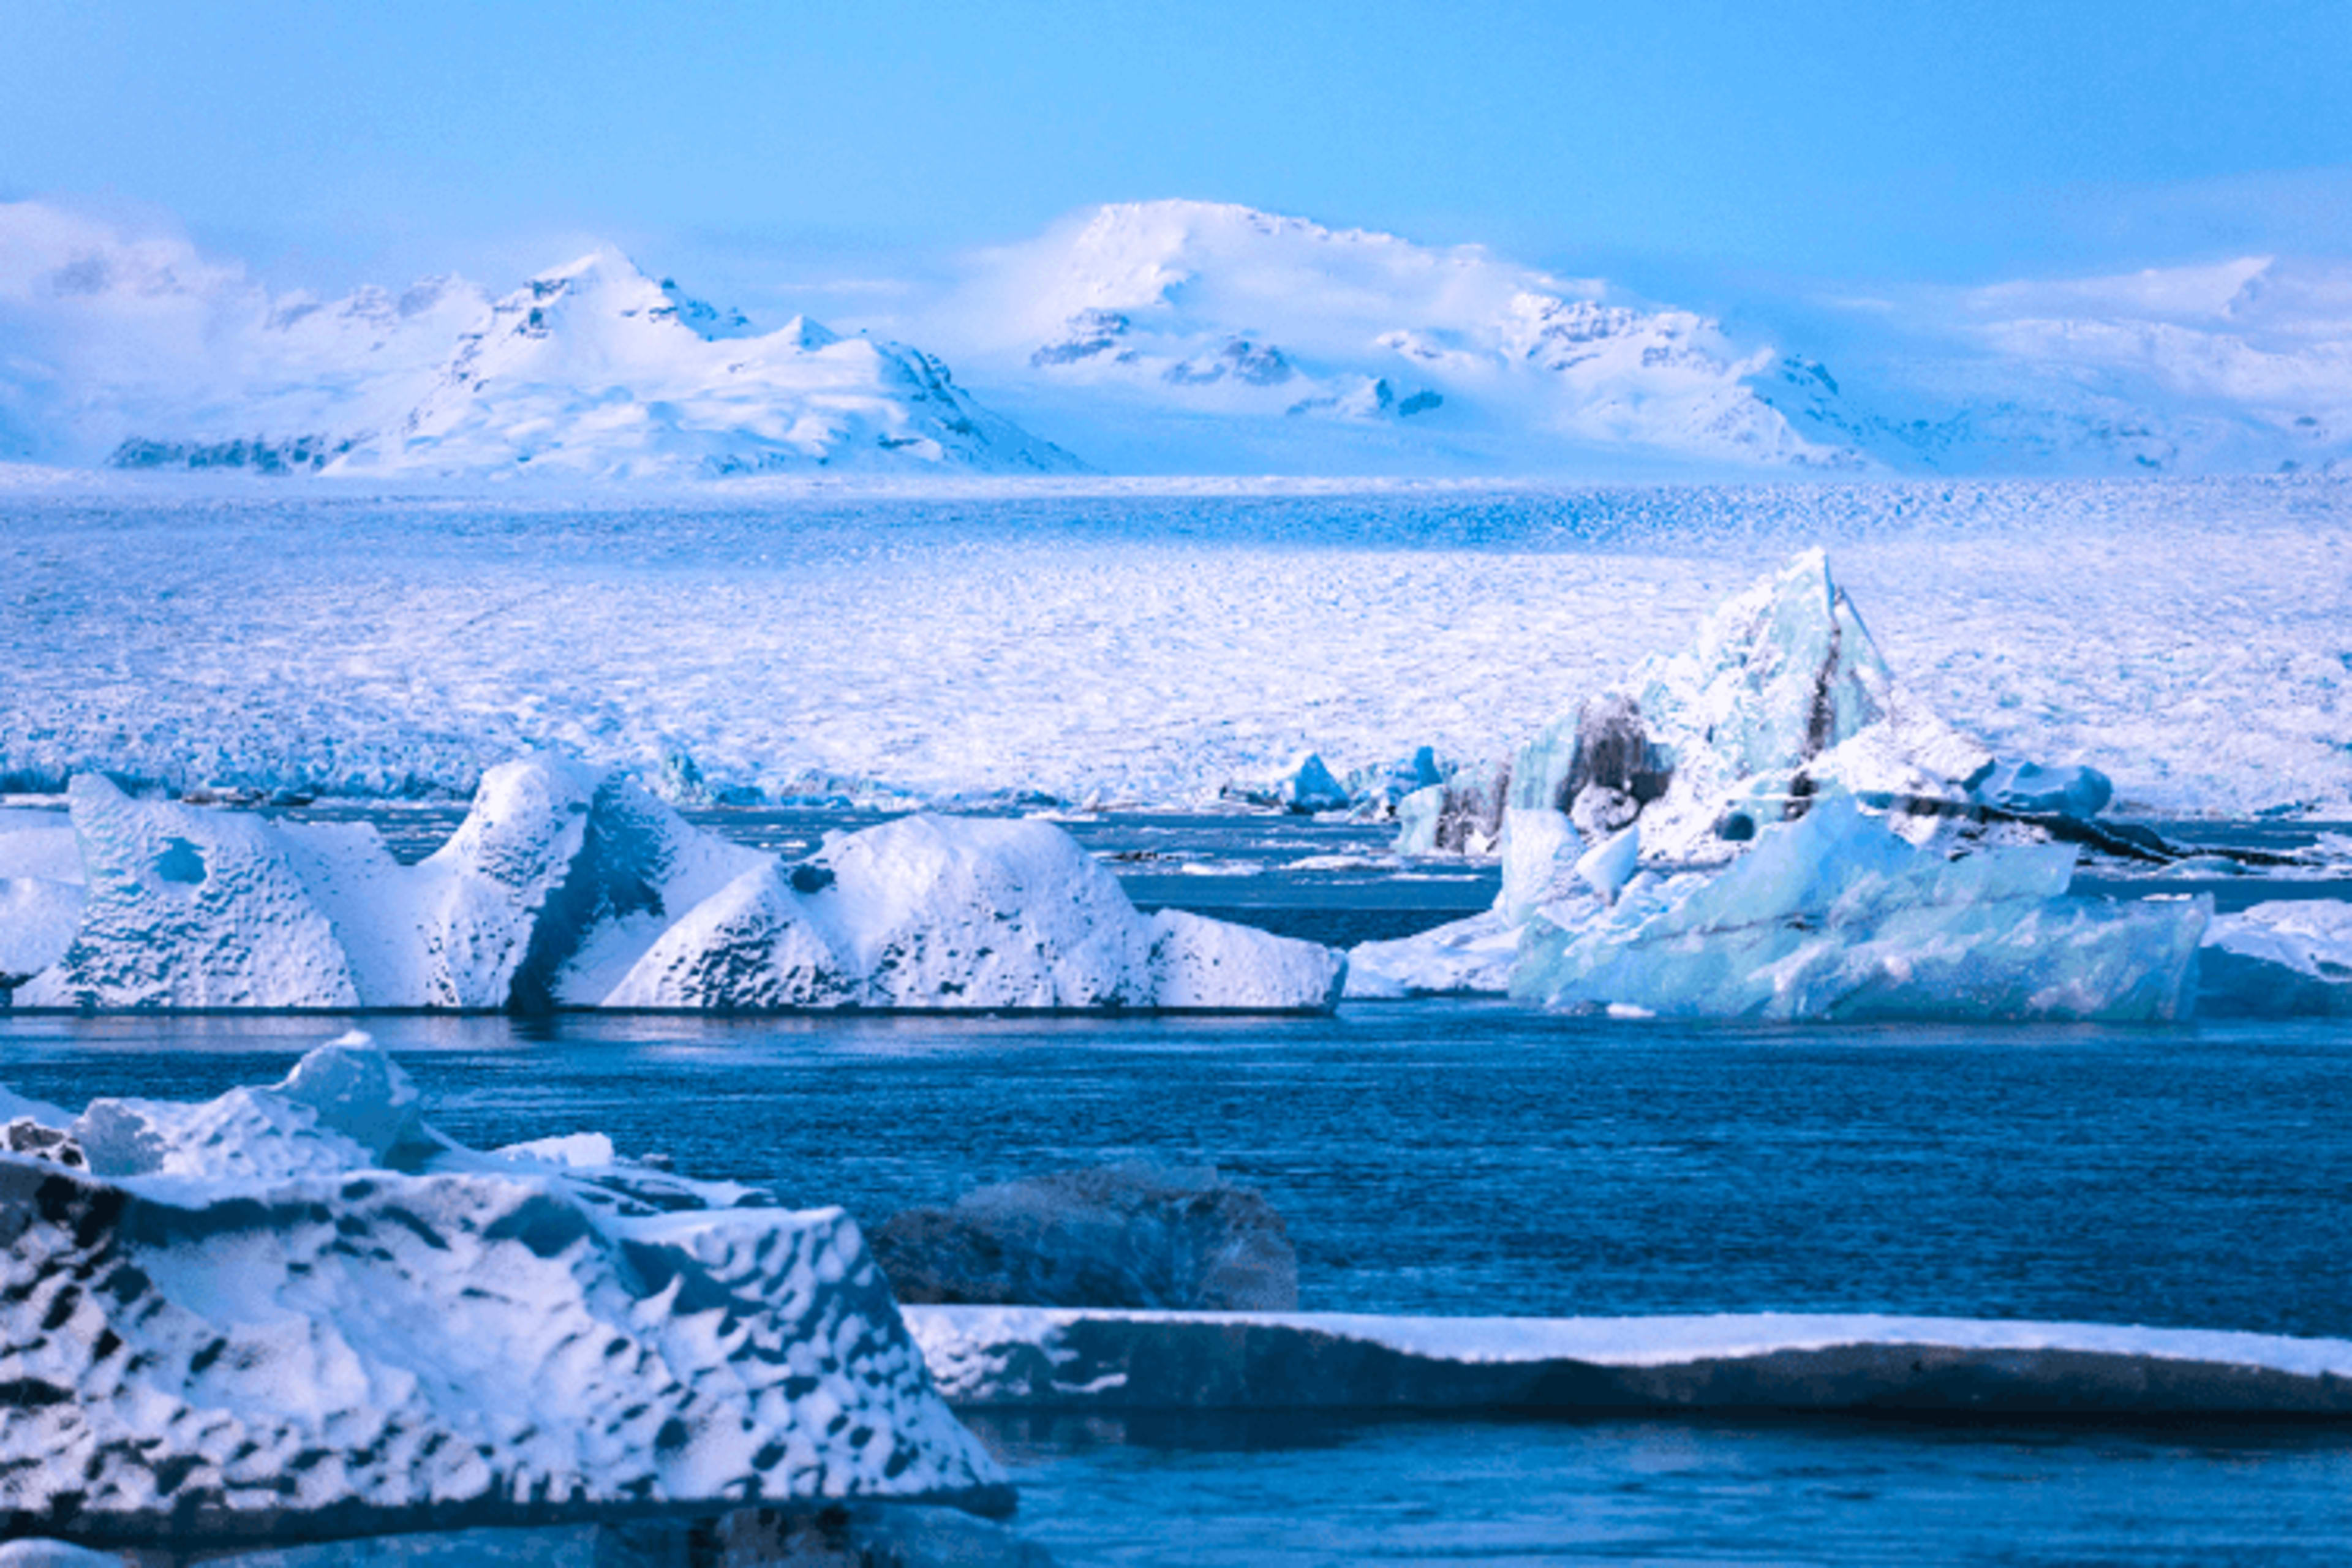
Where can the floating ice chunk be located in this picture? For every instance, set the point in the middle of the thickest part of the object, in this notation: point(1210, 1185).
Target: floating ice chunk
point(1418, 816)
point(1196, 962)
point(1307, 786)
point(1781, 692)
point(2077, 792)
point(561, 889)
point(38, 917)
point(463, 1340)
point(1540, 851)
point(38, 1554)
point(2287, 957)
point(1833, 916)
point(1462, 815)
point(1078, 1359)
point(750, 947)
point(978, 912)
point(38, 844)
point(355, 1089)
point(1417, 771)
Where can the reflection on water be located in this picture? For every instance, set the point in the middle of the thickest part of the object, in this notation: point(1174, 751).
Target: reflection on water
point(1287, 1494)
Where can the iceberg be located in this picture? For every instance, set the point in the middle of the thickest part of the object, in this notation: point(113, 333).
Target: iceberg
point(299, 1310)
point(2030, 789)
point(1835, 916)
point(1782, 694)
point(2287, 956)
point(567, 888)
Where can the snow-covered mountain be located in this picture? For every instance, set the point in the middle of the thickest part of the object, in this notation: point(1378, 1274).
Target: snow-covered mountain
point(596, 368)
point(2242, 367)
point(1183, 335)
point(148, 355)
point(1162, 338)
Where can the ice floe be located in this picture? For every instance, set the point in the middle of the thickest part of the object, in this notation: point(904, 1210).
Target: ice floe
point(2283, 956)
point(565, 888)
point(299, 1310)
point(1835, 916)
point(1104, 1360)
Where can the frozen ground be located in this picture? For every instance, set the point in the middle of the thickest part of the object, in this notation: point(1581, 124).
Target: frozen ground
point(2192, 638)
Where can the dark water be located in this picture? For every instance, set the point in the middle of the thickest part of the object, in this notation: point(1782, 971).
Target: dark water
point(1449, 1157)
point(1472, 1157)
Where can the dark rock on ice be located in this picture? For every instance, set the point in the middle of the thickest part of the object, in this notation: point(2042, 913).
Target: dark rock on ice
point(1114, 1237)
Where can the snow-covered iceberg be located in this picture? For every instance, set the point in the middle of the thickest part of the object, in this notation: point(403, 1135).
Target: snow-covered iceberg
point(1782, 694)
point(1835, 916)
point(564, 888)
point(1734, 771)
point(1086, 1358)
point(299, 1310)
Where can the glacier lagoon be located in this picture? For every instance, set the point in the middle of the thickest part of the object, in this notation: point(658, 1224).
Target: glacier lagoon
point(1435, 1157)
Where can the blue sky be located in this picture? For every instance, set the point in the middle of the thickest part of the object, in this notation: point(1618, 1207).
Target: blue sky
point(1688, 149)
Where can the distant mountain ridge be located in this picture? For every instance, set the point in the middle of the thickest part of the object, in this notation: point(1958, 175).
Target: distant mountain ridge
point(1191, 329)
point(1167, 337)
point(593, 370)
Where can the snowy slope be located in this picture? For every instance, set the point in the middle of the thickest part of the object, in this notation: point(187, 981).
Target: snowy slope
point(597, 369)
point(2241, 366)
point(1179, 335)
point(147, 353)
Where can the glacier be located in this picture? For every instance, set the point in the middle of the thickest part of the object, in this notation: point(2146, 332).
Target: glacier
point(1115, 644)
point(565, 888)
point(299, 1310)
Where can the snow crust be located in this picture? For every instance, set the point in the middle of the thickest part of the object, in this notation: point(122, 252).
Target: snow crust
point(564, 888)
point(299, 1309)
point(981, 1356)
